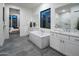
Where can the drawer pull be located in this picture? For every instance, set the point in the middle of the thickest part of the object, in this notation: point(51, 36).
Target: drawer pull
point(62, 41)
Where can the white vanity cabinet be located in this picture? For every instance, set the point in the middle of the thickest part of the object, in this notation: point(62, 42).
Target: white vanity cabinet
point(66, 44)
point(72, 46)
point(54, 42)
point(57, 41)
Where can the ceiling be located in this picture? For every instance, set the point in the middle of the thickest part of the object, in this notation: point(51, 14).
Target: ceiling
point(66, 7)
point(26, 5)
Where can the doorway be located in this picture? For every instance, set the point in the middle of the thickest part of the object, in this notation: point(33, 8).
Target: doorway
point(14, 23)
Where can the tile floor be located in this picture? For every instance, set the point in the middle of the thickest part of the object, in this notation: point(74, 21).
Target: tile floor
point(21, 46)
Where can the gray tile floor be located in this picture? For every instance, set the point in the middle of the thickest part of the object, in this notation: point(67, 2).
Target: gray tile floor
point(21, 46)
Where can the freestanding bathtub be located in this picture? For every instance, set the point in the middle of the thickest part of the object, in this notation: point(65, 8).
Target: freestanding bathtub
point(40, 39)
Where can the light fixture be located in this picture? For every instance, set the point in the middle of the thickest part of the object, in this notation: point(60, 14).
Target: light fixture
point(63, 10)
point(67, 13)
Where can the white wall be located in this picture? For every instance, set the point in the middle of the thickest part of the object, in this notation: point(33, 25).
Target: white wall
point(42, 7)
point(6, 28)
point(37, 14)
point(1, 25)
point(25, 17)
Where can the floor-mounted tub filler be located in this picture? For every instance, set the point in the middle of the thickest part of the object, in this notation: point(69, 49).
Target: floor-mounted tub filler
point(40, 39)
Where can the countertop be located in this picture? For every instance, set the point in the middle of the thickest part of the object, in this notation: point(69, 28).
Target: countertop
point(65, 33)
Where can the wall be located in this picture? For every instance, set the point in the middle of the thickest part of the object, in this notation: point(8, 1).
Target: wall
point(25, 17)
point(37, 14)
point(1, 25)
point(6, 28)
point(42, 7)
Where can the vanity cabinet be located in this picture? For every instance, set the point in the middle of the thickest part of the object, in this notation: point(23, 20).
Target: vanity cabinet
point(57, 41)
point(72, 46)
point(66, 44)
point(54, 42)
point(74, 40)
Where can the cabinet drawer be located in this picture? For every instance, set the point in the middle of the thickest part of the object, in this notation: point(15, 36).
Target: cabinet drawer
point(63, 37)
point(74, 40)
point(52, 35)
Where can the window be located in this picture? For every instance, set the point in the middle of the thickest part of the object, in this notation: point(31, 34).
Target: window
point(45, 18)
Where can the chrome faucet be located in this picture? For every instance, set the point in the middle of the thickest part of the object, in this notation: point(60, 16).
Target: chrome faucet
point(42, 30)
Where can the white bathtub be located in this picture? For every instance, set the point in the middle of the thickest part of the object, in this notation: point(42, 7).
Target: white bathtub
point(39, 38)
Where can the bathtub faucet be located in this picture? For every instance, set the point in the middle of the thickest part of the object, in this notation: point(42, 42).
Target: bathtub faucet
point(42, 31)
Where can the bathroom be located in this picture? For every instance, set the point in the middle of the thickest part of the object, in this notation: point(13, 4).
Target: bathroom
point(46, 29)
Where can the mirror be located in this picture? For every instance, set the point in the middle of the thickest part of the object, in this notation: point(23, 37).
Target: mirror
point(67, 17)
point(45, 18)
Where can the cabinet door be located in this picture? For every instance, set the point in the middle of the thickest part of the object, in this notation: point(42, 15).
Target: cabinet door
point(71, 49)
point(62, 39)
point(61, 42)
point(74, 40)
point(51, 40)
point(54, 42)
point(61, 47)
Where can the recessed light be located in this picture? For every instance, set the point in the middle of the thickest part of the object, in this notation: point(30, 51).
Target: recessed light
point(63, 10)
point(67, 13)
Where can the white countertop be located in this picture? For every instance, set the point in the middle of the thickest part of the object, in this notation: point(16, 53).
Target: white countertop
point(65, 33)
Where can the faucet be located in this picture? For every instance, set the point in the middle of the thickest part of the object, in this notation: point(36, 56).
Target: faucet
point(42, 31)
